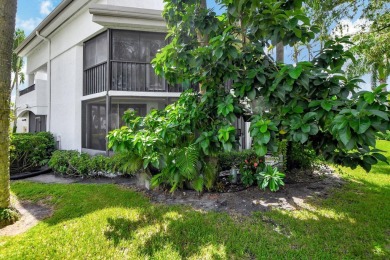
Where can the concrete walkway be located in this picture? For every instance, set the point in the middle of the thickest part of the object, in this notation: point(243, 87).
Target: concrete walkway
point(52, 178)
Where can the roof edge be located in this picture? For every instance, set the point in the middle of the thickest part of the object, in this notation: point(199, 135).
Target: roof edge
point(43, 24)
point(127, 12)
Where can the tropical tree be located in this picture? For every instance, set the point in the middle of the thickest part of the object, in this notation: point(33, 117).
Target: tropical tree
point(372, 49)
point(7, 27)
point(16, 68)
point(311, 102)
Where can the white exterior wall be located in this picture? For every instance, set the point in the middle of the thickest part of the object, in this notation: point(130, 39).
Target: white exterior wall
point(22, 123)
point(64, 112)
point(65, 118)
point(37, 58)
point(35, 101)
point(74, 32)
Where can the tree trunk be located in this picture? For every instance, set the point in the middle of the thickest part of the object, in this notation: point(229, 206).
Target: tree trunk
point(16, 96)
point(203, 40)
point(280, 52)
point(7, 27)
point(374, 77)
point(383, 81)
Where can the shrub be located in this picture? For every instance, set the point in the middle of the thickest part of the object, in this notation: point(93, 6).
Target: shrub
point(270, 178)
point(299, 156)
point(8, 216)
point(73, 163)
point(227, 160)
point(28, 151)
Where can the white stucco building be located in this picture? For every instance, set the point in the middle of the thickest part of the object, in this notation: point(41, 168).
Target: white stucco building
point(87, 63)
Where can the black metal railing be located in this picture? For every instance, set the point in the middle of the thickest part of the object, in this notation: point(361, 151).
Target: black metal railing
point(27, 90)
point(95, 79)
point(126, 76)
point(138, 76)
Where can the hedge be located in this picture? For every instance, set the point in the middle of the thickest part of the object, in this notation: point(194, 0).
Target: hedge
point(30, 150)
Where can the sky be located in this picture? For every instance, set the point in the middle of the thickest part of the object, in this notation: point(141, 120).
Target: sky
point(31, 12)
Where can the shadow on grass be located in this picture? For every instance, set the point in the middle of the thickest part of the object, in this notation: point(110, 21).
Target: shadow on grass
point(353, 223)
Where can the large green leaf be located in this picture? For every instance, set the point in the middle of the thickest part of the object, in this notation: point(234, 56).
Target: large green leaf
point(295, 72)
point(326, 105)
point(379, 113)
point(260, 150)
point(265, 137)
point(345, 135)
point(364, 124)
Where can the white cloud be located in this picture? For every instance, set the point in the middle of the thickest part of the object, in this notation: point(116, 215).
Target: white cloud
point(348, 28)
point(46, 7)
point(28, 25)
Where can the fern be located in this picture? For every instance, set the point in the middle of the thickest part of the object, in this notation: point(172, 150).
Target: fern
point(187, 160)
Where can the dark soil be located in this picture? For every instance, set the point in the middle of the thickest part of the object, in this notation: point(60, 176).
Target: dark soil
point(300, 186)
point(231, 198)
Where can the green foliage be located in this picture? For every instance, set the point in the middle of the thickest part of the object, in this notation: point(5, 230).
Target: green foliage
point(74, 163)
point(183, 167)
point(8, 216)
point(310, 102)
point(270, 178)
point(384, 136)
point(282, 151)
point(299, 156)
point(28, 151)
point(331, 228)
point(226, 160)
point(247, 177)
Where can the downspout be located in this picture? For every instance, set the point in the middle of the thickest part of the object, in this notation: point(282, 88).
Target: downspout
point(48, 78)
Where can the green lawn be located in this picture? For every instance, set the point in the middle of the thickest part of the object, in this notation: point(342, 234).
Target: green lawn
point(109, 222)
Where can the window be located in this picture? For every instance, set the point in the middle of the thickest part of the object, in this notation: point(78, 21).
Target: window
point(96, 51)
point(95, 64)
point(94, 125)
point(118, 110)
point(37, 123)
point(95, 122)
point(132, 53)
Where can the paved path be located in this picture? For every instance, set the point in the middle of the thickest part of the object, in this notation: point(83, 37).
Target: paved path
point(52, 178)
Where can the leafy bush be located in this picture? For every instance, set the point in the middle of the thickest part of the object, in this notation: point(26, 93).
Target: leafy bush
point(299, 156)
point(247, 177)
point(226, 160)
point(270, 178)
point(74, 163)
point(384, 136)
point(30, 150)
point(8, 216)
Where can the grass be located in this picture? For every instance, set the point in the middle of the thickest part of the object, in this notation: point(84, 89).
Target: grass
point(110, 222)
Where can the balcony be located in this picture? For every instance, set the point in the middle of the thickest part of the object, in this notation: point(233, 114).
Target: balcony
point(33, 98)
point(27, 90)
point(126, 76)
